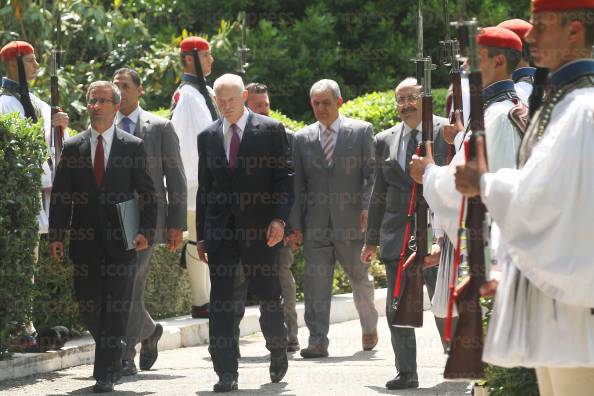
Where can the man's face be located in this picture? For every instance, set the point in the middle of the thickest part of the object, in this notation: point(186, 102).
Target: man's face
point(31, 67)
point(409, 105)
point(100, 105)
point(325, 107)
point(130, 92)
point(548, 40)
point(231, 102)
point(487, 65)
point(259, 103)
point(206, 61)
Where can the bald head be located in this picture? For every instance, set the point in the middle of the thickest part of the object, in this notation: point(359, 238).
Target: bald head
point(230, 95)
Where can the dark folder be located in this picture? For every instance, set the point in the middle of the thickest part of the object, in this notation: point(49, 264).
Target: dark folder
point(129, 216)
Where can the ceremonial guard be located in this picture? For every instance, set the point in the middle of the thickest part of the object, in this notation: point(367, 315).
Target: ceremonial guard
point(192, 110)
point(543, 315)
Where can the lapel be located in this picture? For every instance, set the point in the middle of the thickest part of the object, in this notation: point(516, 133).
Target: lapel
point(313, 138)
point(85, 153)
point(117, 150)
point(141, 126)
point(219, 143)
point(252, 127)
point(344, 133)
point(394, 148)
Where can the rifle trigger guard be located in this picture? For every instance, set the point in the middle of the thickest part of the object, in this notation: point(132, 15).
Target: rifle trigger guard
point(412, 244)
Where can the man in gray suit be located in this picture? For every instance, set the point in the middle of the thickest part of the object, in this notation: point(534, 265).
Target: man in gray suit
point(333, 161)
point(388, 215)
point(167, 172)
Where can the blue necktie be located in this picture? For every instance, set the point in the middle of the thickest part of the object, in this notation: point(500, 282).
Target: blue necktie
point(127, 124)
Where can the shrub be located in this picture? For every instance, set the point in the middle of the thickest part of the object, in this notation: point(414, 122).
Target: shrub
point(22, 151)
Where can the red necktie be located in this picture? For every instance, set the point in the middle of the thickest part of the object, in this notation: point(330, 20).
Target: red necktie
point(99, 164)
point(233, 147)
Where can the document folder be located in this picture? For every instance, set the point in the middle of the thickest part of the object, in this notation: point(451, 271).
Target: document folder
point(129, 216)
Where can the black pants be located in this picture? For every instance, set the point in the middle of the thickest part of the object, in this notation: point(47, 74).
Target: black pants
point(103, 289)
point(224, 265)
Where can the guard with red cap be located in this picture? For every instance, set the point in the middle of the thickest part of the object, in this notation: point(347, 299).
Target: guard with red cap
point(192, 110)
point(543, 315)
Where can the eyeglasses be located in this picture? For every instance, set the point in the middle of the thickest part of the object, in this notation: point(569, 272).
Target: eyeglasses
point(410, 99)
point(100, 101)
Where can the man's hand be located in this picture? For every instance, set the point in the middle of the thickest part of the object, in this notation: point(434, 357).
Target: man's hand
point(60, 119)
point(202, 251)
point(174, 238)
point(294, 240)
point(363, 217)
point(275, 232)
point(468, 176)
point(451, 131)
point(140, 243)
point(368, 254)
point(418, 165)
point(57, 250)
point(433, 259)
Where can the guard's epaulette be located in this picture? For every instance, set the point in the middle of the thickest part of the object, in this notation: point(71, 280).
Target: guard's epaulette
point(519, 116)
point(9, 92)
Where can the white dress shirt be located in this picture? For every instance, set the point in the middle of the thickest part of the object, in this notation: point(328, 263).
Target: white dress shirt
point(335, 126)
point(134, 117)
point(406, 134)
point(228, 133)
point(107, 142)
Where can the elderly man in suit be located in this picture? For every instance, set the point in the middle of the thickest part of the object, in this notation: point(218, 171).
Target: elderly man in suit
point(99, 168)
point(167, 171)
point(388, 214)
point(333, 179)
point(245, 194)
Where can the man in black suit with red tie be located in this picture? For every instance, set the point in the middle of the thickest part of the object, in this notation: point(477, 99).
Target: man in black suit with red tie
point(99, 168)
point(245, 194)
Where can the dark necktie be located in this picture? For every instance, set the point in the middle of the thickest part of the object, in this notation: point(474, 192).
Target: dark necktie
point(328, 145)
point(127, 124)
point(234, 146)
point(99, 164)
point(411, 148)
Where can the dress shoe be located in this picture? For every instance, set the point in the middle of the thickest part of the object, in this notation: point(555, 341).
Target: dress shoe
point(403, 381)
point(149, 350)
point(314, 351)
point(279, 365)
point(200, 312)
point(369, 341)
point(293, 346)
point(227, 383)
point(103, 387)
point(128, 368)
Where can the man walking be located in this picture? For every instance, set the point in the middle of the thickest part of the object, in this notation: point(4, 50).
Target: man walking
point(167, 172)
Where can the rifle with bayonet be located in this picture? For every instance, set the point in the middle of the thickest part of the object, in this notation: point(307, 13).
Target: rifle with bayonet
point(242, 52)
point(57, 133)
point(465, 352)
point(408, 289)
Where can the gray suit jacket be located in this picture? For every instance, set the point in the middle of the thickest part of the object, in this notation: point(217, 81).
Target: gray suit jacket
point(332, 194)
point(392, 189)
point(167, 171)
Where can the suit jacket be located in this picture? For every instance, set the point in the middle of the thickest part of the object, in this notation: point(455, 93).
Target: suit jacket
point(166, 170)
point(388, 208)
point(88, 211)
point(240, 204)
point(337, 193)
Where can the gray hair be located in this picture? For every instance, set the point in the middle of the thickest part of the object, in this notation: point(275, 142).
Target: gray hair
point(116, 96)
point(406, 83)
point(325, 85)
point(229, 79)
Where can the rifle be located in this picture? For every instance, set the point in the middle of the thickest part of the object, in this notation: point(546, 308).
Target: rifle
point(242, 52)
point(57, 133)
point(202, 84)
point(408, 296)
point(465, 352)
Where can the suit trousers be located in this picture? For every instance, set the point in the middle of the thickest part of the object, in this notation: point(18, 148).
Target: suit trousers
point(320, 260)
point(224, 265)
point(103, 289)
point(571, 381)
point(403, 339)
point(288, 288)
point(197, 269)
point(140, 323)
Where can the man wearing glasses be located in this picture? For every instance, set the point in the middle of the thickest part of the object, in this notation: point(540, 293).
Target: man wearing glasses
point(388, 214)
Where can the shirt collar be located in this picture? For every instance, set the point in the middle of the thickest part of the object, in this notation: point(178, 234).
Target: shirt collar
point(571, 71)
point(407, 129)
point(335, 125)
point(9, 84)
point(241, 123)
point(523, 72)
point(134, 116)
point(190, 78)
point(497, 88)
point(107, 135)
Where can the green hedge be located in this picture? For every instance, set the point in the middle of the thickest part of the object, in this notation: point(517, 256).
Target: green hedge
point(21, 155)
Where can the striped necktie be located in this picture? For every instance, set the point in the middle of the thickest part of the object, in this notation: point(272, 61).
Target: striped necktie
point(127, 124)
point(328, 145)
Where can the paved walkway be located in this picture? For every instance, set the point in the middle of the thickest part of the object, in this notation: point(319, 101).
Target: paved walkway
point(348, 371)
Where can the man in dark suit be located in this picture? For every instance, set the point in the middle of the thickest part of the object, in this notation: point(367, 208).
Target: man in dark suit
point(388, 211)
point(245, 193)
point(167, 171)
point(99, 168)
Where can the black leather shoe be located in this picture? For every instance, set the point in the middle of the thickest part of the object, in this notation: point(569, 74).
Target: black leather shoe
point(103, 387)
point(200, 312)
point(128, 368)
point(226, 384)
point(403, 381)
point(149, 350)
point(279, 364)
